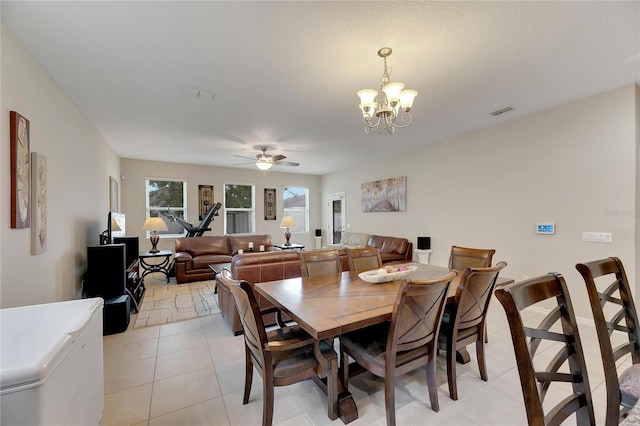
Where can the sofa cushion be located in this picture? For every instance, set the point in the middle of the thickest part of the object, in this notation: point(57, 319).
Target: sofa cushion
point(198, 246)
point(389, 245)
point(354, 239)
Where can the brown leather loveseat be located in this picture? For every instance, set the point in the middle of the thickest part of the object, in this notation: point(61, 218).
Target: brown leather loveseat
point(195, 254)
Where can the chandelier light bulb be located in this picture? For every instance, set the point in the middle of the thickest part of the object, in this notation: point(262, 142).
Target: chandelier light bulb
point(406, 99)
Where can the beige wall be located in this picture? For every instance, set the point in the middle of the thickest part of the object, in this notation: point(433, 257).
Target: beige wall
point(133, 196)
point(79, 163)
point(571, 165)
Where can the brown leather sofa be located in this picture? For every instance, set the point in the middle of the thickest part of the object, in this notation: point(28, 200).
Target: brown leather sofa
point(272, 266)
point(257, 268)
point(193, 255)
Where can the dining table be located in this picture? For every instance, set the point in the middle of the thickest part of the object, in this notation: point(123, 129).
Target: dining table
point(327, 306)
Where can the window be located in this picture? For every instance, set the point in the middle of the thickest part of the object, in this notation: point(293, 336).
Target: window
point(296, 205)
point(167, 198)
point(239, 207)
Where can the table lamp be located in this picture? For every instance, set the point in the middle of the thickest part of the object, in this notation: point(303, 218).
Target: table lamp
point(154, 224)
point(287, 222)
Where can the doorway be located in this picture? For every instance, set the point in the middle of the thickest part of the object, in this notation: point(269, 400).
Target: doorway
point(337, 217)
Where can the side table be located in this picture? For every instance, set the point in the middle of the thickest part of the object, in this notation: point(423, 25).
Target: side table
point(163, 266)
point(292, 246)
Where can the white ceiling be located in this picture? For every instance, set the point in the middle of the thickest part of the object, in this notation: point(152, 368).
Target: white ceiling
point(285, 74)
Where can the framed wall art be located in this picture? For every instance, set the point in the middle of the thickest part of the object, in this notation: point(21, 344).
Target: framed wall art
point(269, 204)
point(38, 203)
point(205, 199)
point(388, 195)
point(20, 173)
point(113, 194)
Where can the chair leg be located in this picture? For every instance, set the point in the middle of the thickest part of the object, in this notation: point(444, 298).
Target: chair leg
point(267, 400)
point(248, 376)
point(432, 384)
point(451, 370)
point(482, 365)
point(279, 319)
point(390, 398)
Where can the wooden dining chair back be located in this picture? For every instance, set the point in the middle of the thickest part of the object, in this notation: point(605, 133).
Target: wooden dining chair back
point(465, 257)
point(405, 343)
point(616, 322)
point(464, 321)
point(566, 367)
point(320, 262)
point(363, 258)
point(282, 356)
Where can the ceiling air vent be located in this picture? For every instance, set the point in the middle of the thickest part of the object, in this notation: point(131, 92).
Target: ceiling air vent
point(198, 93)
point(501, 111)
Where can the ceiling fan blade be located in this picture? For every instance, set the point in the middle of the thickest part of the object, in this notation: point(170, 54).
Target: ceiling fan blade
point(242, 164)
point(286, 163)
point(278, 157)
point(242, 156)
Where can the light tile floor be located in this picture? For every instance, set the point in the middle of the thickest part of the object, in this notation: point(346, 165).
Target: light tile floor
point(192, 373)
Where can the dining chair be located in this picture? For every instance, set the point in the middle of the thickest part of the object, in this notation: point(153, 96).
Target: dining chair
point(465, 257)
point(405, 343)
point(558, 327)
point(616, 322)
point(461, 258)
point(319, 262)
point(363, 258)
point(282, 356)
point(464, 319)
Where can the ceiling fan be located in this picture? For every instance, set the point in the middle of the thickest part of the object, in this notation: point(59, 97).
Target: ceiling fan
point(265, 161)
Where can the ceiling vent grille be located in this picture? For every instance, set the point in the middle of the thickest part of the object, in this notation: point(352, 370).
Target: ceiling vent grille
point(501, 111)
point(198, 93)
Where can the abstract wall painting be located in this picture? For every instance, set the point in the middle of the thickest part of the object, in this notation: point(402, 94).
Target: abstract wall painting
point(388, 195)
point(38, 203)
point(20, 173)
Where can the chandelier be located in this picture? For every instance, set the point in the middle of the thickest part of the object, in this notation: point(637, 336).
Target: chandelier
point(387, 105)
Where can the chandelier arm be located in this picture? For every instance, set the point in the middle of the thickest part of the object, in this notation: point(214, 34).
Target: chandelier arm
point(406, 118)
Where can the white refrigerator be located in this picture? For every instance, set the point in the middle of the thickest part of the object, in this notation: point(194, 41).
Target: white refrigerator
point(51, 366)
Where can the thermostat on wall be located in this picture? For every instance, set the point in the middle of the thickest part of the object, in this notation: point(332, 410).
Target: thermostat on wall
point(546, 228)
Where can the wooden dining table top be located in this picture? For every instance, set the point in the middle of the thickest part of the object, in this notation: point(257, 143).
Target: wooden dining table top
point(329, 305)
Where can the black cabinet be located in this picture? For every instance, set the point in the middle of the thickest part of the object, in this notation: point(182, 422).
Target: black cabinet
point(106, 275)
point(112, 271)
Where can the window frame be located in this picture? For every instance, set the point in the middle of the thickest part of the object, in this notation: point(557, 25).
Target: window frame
point(163, 234)
point(297, 230)
point(252, 210)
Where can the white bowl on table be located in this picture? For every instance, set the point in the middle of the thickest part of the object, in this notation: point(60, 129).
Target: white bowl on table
point(375, 277)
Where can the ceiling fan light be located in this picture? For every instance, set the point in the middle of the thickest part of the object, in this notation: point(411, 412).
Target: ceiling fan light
point(264, 165)
point(406, 98)
point(392, 90)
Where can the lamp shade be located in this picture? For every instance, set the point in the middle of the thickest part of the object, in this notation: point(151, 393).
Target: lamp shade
point(114, 226)
point(287, 222)
point(154, 224)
